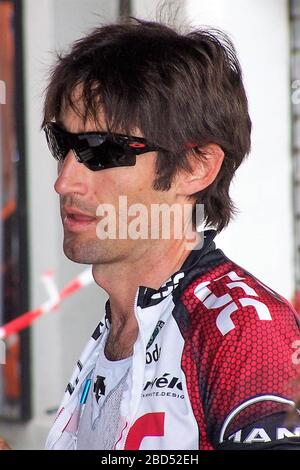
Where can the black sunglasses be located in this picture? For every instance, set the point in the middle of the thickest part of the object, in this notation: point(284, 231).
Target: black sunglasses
point(96, 150)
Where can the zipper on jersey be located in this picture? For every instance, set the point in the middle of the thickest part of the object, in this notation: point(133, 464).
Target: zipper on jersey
point(138, 373)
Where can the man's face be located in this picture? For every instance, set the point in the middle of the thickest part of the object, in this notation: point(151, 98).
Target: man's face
point(82, 191)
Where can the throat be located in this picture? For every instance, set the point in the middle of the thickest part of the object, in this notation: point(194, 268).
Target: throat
point(120, 346)
point(117, 352)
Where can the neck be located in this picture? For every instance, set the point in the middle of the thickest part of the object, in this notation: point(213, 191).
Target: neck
point(153, 266)
point(122, 279)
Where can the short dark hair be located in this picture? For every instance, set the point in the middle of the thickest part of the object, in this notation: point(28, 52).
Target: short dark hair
point(178, 89)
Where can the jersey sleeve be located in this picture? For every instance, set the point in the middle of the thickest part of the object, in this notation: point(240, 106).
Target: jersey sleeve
point(248, 364)
point(251, 380)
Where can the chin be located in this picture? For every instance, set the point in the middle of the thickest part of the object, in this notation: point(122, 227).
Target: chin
point(90, 251)
point(76, 257)
point(80, 252)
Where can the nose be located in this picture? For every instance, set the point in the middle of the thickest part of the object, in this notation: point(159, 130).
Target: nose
point(72, 177)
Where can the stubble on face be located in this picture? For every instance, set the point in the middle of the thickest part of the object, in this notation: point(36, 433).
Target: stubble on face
point(86, 247)
point(135, 182)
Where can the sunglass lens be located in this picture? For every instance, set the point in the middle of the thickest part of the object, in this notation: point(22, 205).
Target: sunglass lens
point(108, 154)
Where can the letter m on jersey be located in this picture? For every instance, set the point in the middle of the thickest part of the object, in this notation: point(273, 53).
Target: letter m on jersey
point(224, 321)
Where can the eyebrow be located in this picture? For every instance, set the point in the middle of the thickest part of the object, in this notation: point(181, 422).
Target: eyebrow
point(61, 124)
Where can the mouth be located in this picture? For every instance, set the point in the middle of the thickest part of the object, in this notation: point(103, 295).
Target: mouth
point(76, 221)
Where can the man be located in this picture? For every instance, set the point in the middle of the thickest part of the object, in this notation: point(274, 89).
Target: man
point(194, 352)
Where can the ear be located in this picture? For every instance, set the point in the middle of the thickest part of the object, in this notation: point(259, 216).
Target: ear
point(205, 168)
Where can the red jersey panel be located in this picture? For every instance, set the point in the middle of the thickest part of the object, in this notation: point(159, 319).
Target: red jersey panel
point(239, 358)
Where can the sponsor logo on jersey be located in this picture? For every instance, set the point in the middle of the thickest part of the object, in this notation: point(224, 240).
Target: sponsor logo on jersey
point(257, 434)
point(210, 300)
point(157, 329)
point(168, 287)
point(153, 355)
point(171, 385)
point(165, 381)
point(262, 435)
point(99, 387)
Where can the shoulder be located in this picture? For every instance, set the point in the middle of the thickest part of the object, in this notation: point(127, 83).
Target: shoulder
point(228, 298)
point(242, 338)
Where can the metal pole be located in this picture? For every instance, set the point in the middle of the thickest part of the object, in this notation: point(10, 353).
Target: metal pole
point(125, 8)
point(295, 80)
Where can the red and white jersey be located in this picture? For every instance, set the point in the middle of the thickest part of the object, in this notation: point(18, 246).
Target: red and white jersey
point(214, 365)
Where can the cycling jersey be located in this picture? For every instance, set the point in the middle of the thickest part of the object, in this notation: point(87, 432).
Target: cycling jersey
point(214, 363)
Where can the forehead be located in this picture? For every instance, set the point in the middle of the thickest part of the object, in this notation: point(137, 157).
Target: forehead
point(72, 117)
point(73, 121)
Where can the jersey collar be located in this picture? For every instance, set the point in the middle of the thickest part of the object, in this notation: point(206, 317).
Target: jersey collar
point(147, 296)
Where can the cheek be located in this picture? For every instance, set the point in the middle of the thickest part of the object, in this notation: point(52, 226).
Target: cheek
point(136, 181)
point(115, 182)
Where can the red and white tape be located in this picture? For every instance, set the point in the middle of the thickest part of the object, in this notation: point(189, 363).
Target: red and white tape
point(55, 297)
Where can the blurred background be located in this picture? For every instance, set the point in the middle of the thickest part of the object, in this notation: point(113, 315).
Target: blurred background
point(264, 238)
